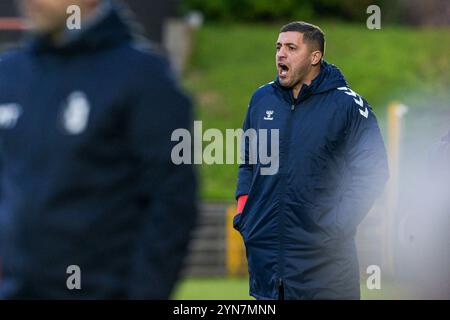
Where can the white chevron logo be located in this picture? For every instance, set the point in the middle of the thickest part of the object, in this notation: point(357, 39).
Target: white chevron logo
point(364, 113)
point(358, 100)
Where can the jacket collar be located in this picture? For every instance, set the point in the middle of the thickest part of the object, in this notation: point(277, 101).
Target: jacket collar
point(329, 78)
point(108, 26)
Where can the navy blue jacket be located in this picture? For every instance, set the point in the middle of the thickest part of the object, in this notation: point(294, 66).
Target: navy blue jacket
point(298, 225)
point(86, 173)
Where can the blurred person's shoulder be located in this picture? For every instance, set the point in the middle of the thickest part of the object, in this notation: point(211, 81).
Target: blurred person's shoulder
point(148, 60)
point(439, 153)
point(438, 164)
point(12, 56)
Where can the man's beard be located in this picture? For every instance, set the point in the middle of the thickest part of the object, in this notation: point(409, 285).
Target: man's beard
point(297, 78)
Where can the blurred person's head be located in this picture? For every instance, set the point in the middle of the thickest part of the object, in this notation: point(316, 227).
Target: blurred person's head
point(299, 51)
point(49, 16)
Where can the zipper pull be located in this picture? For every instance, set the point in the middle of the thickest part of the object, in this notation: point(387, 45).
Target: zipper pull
point(280, 289)
point(292, 107)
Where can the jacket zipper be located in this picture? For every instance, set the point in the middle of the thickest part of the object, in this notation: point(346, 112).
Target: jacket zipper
point(280, 289)
point(280, 282)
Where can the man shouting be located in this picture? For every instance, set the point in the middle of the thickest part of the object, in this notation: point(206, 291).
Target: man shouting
point(299, 224)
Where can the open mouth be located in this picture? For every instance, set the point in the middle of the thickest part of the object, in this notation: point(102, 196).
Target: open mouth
point(282, 69)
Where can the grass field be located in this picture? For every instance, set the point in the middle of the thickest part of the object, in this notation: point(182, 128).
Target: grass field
point(237, 289)
point(231, 61)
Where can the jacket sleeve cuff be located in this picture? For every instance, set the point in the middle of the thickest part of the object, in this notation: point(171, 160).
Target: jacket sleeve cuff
point(241, 203)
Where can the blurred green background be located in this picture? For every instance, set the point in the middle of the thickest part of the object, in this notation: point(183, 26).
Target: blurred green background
point(237, 289)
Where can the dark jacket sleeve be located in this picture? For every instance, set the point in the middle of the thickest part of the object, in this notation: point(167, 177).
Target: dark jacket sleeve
point(167, 192)
point(245, 172)
point(366, 168)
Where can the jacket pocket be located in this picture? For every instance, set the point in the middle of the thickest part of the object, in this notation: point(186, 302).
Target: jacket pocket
point(236, 221)
point(239, 218)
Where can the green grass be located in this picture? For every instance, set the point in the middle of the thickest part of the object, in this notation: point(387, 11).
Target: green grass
point(213, 289)
point(230, 61)
point(237, 289)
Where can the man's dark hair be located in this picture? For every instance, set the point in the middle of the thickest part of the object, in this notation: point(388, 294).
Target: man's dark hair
point(311, 33)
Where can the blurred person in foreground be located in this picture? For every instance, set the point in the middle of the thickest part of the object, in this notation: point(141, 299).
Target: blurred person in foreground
point(437, 285)
point(86, 118)
point(424, 241)
point(299, 224)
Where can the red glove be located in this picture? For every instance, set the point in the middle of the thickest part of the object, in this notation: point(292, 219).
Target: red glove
point(241, 203)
